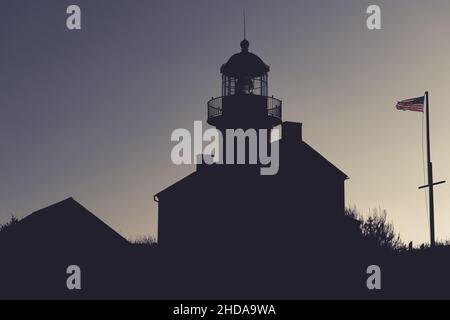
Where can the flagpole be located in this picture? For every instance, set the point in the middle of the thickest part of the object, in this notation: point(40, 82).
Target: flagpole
point(430, 173)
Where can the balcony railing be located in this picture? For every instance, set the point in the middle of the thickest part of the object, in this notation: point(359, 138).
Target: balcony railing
point(273, 107)
point(215, 107)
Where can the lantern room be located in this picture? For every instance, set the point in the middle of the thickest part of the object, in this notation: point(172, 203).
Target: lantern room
point(245, 102)
point(244, 73)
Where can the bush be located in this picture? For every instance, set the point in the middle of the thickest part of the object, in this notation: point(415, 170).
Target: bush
point(144, 241)
point(377, 230)
point(9, 224)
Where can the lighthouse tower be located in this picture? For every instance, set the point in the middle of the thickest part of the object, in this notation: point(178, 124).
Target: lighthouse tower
point(245, 102)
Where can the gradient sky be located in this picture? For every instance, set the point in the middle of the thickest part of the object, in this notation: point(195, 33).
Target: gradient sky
point(89, 113)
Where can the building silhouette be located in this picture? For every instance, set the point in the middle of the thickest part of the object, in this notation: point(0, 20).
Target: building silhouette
point(37, 250)
point(235, 208)
point(66, 227)
point(282, 231)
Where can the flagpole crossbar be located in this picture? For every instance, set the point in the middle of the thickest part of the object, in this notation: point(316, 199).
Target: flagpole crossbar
point(434, 184)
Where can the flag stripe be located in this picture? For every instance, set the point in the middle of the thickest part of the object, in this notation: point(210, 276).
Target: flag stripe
point(414, 104)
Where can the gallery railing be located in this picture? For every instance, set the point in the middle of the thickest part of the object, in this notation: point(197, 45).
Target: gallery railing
point(274, 107)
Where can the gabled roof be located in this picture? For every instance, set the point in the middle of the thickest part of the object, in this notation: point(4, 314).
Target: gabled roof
point(323, 160)
point(64, 224)
point(183, 182)
point(192, 178)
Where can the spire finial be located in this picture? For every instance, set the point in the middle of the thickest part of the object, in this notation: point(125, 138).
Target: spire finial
point(244, 43)
point(245, 26)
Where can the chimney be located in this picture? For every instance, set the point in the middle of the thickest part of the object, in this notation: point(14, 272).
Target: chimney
point(291, 131)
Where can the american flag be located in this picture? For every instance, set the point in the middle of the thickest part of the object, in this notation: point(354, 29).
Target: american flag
point(415, 104)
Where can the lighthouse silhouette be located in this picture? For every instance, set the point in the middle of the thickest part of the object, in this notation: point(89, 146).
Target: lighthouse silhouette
point(231, 220)
point(245, 103)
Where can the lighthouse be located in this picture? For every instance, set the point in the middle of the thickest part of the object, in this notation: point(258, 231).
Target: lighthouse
point(245, 102)
point(234, 208)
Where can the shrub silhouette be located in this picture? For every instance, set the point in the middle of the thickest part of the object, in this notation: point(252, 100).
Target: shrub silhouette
point(13, 221)
point(377, 230)
point(144, 241)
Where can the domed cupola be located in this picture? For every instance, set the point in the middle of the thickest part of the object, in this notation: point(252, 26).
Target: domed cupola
point(244, 63)
point(244, 73)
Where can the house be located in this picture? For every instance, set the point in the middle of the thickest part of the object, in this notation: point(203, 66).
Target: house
point(37, 251)
point(62, 227)
point(229, 207)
